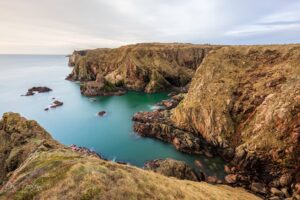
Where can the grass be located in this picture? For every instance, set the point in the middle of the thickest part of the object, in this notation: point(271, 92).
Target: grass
point(66, 175)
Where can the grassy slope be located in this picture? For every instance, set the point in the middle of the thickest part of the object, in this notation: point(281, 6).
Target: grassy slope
point(60, 173)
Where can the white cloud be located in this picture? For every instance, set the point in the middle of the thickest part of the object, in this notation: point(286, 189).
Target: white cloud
point(286, 18)
point(59, 26)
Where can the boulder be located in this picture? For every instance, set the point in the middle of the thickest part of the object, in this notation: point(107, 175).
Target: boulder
point(276, 192)
point(258, 188)
point(285, 180)
point(102, 113)
point(231, 178)
point(56, 103)
point(173, 168)
point(212, 179)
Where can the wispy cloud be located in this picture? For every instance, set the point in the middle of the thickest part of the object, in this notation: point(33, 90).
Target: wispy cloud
point(59, 26)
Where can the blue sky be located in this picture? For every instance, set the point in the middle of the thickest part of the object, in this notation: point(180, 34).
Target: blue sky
point(59, 26)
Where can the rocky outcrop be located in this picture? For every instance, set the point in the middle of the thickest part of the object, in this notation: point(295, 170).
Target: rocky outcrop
point(34, 90)
point(34, 166)
point(100, 87)
point(173, 168)
point(150, 67)
point(56, 104)
point(76, 55)
point(244, 102)
point(18, 139)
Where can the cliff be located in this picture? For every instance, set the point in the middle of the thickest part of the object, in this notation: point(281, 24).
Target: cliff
point(37, 167)
point(152, 67)
point(244, 101)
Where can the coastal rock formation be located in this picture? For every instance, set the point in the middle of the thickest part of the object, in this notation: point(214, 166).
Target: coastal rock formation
point(34, 166)
point(173, 168)
point(150, 67)
point(76, 55)
point(18, 139)
point(245, 102)
point(56, 104)
point(34, 90)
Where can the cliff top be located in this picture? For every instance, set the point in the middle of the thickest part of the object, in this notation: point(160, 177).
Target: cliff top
point(56, 172)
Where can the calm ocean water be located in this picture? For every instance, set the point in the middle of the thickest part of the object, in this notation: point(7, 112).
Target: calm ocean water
point(76, 121)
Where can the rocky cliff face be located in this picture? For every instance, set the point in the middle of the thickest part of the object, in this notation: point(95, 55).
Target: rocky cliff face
point(245, 102)
point(18, 139)
point(142, 67)
point(41, 168)
point(76, 55)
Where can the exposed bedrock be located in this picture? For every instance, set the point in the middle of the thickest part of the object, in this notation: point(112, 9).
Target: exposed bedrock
point(152, 67)
point(244, 101)
point(75, 56)
point(173, 168)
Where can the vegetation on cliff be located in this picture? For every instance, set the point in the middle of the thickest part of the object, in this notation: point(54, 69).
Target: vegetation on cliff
point(149, 67)
point(245, 102)
point(48, 170)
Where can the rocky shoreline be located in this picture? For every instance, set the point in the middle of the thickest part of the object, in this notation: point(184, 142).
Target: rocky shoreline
point(239, 94)
point(153, 67)
point(34, 166)
point(242, 104)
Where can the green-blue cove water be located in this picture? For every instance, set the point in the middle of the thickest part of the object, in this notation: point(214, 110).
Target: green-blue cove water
point(76, 121)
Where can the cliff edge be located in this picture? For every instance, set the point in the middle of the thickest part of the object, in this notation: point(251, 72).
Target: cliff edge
point(243, 104)
point(37, 167)
point(149, 67)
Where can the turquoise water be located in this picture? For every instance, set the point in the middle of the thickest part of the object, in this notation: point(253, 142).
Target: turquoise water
point(76, 121)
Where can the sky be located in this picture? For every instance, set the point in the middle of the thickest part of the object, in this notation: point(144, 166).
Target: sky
point(60, 26)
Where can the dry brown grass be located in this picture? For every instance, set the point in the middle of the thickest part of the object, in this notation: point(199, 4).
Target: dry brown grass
point(62, 174)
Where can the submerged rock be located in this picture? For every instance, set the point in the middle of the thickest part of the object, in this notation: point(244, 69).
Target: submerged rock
point(231, 178)
point(258, 188)
point(173, 168)
point(34, 90)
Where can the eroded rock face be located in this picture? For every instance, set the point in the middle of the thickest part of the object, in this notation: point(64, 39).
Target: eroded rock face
point(18, 139)
point(247, 98)
point(173, 168)
point(100, 87)
point(142, 67)
point(245, 102)
point(76, 55)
